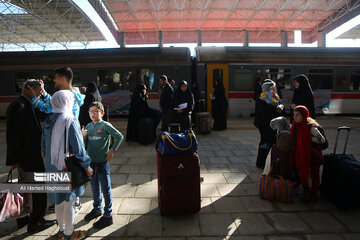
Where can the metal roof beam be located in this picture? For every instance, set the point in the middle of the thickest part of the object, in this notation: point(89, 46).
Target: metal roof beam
point(29, 27)
point(257, 9)
point(348, 11)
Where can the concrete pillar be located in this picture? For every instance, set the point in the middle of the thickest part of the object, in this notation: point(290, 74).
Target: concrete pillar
point(246, 39)
point(284, 38)
point(199, 38)
point(161, 44)
point(122, 39)
point(321, 38)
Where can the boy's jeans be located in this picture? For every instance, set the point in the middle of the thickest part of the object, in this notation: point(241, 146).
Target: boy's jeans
point(100, 182)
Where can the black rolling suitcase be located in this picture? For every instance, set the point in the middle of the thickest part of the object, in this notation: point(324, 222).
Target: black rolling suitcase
point(146, 132)
point(340, 181)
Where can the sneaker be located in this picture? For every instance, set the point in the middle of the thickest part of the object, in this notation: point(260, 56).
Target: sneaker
point(103, 222)
point(77, 202)
point(76, 235)
point(77, 206)
point(93, 214)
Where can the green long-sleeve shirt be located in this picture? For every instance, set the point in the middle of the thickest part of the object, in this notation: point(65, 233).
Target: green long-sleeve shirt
point(98, 140)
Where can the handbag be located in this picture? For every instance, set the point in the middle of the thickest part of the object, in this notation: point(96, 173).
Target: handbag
point(177, 143)
point(14, 205)
point(275, 188)
point(78, 173)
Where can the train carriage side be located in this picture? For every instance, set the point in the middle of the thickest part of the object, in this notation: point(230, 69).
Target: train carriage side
point(334, 75)
point(112, 69)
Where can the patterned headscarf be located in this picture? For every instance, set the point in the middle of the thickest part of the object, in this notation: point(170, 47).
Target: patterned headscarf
point(268, 94)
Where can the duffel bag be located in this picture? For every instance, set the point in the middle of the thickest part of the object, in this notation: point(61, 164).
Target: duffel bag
point(177, 143)
point(275, 188)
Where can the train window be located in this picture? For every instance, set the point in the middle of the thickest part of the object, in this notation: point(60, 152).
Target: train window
point(355, 82)
point(21, 77)
point(147, 78)
point(243, 80)
point(140, 76)
point(281, 76)
point(321, 78)
point(217, 76)
point(110, 80)
point(76, 82)
point(119, 79)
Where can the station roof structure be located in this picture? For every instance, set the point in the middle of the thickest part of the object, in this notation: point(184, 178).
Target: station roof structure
point(62, 22)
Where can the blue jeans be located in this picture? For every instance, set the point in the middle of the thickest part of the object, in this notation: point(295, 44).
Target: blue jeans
point(100, 182)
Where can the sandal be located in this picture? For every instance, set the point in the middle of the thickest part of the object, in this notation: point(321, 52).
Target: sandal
point(76, 235)
point(60, 235)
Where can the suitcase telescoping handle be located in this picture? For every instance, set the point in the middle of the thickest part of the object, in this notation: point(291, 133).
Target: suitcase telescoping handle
point(346, 140)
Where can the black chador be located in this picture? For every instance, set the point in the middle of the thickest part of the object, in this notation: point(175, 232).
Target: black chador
point(183, 105)
point(303, 95)
point(219, 106)
point(166, 99)
point(139, 109)
point(92, 95)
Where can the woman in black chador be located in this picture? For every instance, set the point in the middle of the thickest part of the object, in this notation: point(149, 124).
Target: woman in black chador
point(92, 95)
point(219, 106)
point(267, 108)
point(183, 104)
point(197, 96)
point(303, 95)
point(139, 109)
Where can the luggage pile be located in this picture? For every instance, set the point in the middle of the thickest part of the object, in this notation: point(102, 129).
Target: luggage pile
point(178, 169)
point(341, 176)
point(203, 120)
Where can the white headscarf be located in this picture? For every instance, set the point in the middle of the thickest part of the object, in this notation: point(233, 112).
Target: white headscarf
point(61, 102)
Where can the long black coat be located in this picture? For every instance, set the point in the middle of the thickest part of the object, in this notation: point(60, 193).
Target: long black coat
point(264, 113)
point(219, 108)
point(166, 99)
point(139, 109)
point(303, 95)
point(92, 95)
point(180, 97)
point(23, 136)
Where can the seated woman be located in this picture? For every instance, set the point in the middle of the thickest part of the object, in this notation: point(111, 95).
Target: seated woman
point(278, 158)
point(140, 109)
point(306, 153)
point(183, 104)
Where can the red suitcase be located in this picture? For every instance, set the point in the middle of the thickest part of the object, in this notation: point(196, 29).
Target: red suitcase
point(178, 183)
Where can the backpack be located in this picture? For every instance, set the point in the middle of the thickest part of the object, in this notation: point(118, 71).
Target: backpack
point(324, 145)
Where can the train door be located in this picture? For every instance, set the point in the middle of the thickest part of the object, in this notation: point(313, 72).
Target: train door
point(214, 72)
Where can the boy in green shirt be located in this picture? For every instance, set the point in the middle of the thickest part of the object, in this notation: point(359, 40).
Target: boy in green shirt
point(97, 139)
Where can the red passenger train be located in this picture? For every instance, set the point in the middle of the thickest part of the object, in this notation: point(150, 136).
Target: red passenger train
point(334, 73)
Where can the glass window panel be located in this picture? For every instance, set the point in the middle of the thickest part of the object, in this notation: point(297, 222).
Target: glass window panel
point(321, 78)
point(355, 82)
point(281, 76)
point(243, 80)
point(21, 77)
point(217, 75)
point(120, 79)
point(76, 79)
point(110, 80)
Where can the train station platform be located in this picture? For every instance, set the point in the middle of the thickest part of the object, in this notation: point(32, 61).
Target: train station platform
point(231, 208)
